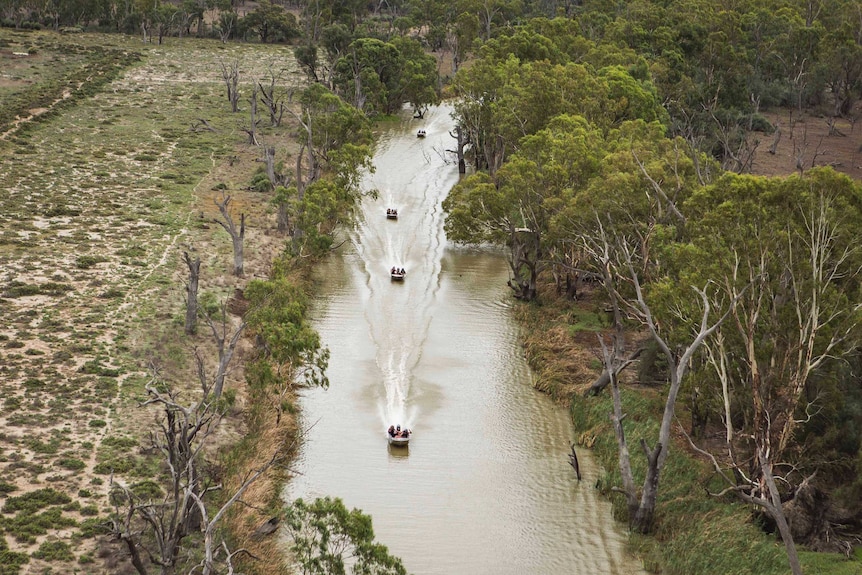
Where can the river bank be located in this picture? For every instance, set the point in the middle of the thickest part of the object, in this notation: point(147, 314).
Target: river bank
point(695, 533)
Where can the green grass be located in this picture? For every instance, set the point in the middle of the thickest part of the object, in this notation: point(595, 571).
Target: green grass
point(586, 320)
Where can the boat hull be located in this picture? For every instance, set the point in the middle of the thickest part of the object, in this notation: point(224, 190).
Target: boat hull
point(398, 441)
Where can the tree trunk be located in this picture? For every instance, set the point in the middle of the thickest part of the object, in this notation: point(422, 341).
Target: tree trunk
point(777, 512)
point(643, 518)
point(237, 239)
point(192, 293)
point(461, 139)
point(282, 220)
point(236, 235)
point(269, 162)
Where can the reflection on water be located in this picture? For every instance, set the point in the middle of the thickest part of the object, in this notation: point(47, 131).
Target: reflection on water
point(485, 485)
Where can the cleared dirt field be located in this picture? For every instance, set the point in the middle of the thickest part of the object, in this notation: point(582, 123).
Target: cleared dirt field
point(810, 139)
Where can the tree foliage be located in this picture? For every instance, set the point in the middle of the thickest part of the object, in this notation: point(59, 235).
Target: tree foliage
point(329, 539)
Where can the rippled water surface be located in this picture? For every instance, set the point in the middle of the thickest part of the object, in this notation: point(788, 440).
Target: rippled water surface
point(485, 486)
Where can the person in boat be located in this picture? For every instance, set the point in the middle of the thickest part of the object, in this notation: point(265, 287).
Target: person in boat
point(401, 271)
point(393, 270)
point(398, 431)
point(391, 431)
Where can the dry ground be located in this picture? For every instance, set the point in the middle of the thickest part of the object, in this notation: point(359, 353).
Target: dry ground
point(809, 138)
point(97, 205)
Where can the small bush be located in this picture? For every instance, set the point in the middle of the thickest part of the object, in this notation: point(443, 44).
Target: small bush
point(35, 501)
point(92, 527)
point(71, 463)
point(10, 561)
point(115, 465)
point(86, 262)
point(112, 293)
point(54, 551)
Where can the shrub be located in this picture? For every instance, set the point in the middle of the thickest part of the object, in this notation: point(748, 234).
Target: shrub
point(92, 527)
point(54, 551)
point(35, 501)
point(10, 561)
point(71, 463)
point(86, 262)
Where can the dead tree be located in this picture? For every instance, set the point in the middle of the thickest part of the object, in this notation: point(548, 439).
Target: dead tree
point(209, 565)
point(180, 438)
point(231, 80)
point(252, 129)
point(275, 178)
point(155, 529)
point(601, 251)
point(194, 266)
point(776, 137)
point(200, 125)
point(272, 98)
point(226, 347)
point(236, 235)
point(759, 491)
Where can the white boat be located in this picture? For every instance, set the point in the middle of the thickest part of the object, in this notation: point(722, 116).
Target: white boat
point(420, 134)
point(392, 213)
point(400, 440)
point(397, 274)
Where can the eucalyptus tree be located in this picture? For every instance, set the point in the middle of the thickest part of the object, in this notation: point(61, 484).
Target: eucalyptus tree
point(378, 77)
point(787, 251)
point(515, 207)
point(620, 219)
point(335, 141)
point(418, 81)
point(271, 22)
point(326, 538)
point(367, 75)
point(317, 56)
point(840, 65)
point(492, 12)
point(288, 349)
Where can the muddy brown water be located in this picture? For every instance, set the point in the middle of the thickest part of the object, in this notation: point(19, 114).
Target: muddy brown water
point(485, 486)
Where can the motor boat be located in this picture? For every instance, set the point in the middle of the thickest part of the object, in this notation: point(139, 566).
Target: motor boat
point(397, 274)
point(420, 134)
point(391, 213)
point(400, 439)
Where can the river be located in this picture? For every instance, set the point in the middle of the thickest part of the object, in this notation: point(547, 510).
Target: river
point(485, 486)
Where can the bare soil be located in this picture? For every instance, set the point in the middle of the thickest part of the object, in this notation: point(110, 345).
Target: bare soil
point(807, 139)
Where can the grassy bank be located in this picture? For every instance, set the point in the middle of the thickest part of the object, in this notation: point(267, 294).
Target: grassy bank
point(695, 533)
